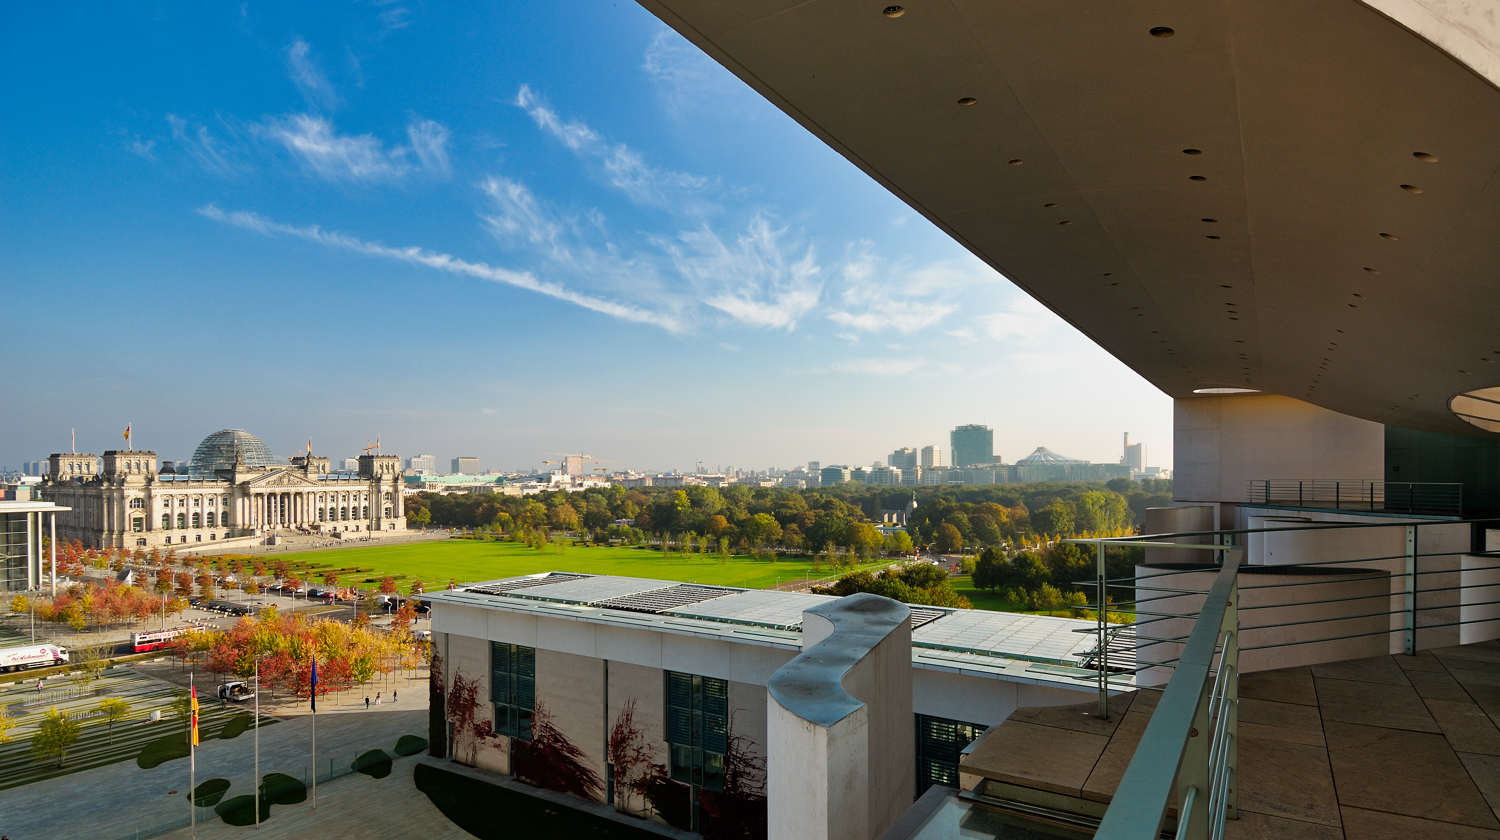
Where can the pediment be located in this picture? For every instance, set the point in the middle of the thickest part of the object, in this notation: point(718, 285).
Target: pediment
point(282, 478)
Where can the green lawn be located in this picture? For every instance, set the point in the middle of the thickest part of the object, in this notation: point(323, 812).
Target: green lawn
point(984, 599)
point(474, 560)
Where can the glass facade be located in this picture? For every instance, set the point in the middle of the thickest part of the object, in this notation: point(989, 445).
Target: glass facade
point(939, 742)
point(12, 551)
point(697, 728)
point(513, 688)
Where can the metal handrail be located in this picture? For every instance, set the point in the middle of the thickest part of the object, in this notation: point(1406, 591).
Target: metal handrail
point(1180, 731)
point(1433, 497)
point(1189, 746)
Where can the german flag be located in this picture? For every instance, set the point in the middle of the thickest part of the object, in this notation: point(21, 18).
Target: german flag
point(195, 715)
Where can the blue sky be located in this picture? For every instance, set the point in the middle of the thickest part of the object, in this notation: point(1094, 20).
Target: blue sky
point(503, 231)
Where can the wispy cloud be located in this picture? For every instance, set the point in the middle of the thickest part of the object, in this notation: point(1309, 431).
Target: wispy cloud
point(761, 277)
point(879, 367)
point(441, 262)
point(308, 77)
point(201, 146)
point(315, 143)
point(621, 166)
point(393, 16)
point(684, 77)
point(145, 149)
point(886, 296)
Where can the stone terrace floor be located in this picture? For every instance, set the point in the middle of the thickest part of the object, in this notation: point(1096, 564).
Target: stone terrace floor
point(1372, 749)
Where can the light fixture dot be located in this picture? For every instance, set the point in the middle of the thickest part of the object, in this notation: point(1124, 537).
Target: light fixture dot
point(1015, 162)
point(1414, 190)
point(1197, 178)
point(1162, 32)
point(1389, 236)
point(966, 101)
point(1425, 157)
point(893, 11)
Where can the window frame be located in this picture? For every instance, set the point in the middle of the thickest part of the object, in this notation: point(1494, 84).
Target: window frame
point(697, 728)
point(513, 689)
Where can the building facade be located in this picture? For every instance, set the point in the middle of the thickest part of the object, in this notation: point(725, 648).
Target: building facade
point(932, 456)
point(465, 465)
point(972, 445)
point(904, 458)
point(654, 695)
point(232, 490)
point(27, 544)
point(422, 464)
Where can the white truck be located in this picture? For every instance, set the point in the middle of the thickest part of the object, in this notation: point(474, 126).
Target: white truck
point(32, 656)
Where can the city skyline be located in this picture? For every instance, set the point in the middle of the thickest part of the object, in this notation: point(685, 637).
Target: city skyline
point(522, 241)
point(502, 464)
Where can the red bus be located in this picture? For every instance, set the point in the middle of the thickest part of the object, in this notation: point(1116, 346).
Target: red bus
point(155, 639)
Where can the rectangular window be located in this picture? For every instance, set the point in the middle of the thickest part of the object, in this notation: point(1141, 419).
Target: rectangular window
point(513, 688)
point(697, 728)
point(939, 742)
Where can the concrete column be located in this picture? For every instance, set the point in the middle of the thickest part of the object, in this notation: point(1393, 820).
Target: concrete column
point(840, 751)
point(30, 546)
point(54, 554)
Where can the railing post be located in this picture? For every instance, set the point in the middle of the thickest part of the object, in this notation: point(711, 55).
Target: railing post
point(1103, 629)
point(1268, 491)
point(1232, 706)
point(1372, 495)
point(1299, 494)
point(1335, 495)
point(1193, 774)
point(1411, 591)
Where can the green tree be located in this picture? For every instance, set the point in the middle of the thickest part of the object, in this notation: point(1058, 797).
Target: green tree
point(114, 709)
point(990, 570)
point(899, 543)
point(948, 540)
point(421, 517)
point(761, 529)
point(1056, 518)
point(88, 661)
point(7, 723)
point(57, 733)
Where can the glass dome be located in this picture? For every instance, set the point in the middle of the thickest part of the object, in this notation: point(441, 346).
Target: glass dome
point(219, 451)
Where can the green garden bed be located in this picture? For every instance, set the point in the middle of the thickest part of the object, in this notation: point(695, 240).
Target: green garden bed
point(410, 744)
point(376, 764)
point(210, 792)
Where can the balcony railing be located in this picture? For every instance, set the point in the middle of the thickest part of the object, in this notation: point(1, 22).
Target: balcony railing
point(1418, 497)
point(1428, 585)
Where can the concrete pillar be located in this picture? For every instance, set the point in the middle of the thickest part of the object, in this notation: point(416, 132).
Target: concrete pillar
point(840, 751)
point(30, 546)
point(54, 554)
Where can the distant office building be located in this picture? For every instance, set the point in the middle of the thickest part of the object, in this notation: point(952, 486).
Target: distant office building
point(422, 464)
point(932, 456)
point(972, 445)
point(830, 476)
point(912, 477)
point(814, 467)
point(465, 465)
point(34, 467)
point(1135, 455)
point(351, 465)
point(904, 458)
point(883, 475)
point(572, 465)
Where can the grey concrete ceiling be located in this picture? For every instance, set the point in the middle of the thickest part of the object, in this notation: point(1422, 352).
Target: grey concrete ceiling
point(1220, 207)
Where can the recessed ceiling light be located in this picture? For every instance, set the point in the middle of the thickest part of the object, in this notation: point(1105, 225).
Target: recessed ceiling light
point(1197, 178)
point(1162, 32)
point(1015, 161)
point(1192, 151)
point(1222, 390)
point(1425, 157)
point(1210, 236)
point(1208, 220)
point(1391, 236)
point(1065, 221)
point(1414, 190)
point(893, 11)
point(966, 101)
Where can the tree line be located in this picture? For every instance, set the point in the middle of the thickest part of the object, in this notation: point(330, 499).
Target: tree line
point(839, 520)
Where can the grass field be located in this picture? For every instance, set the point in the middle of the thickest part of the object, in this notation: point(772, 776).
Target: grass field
point(984, 599)
point(434, 563)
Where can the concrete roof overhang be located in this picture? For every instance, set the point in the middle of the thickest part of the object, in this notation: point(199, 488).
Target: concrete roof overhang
point(1297, 196)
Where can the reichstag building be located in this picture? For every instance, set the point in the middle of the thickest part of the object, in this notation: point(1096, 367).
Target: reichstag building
point(233, 489)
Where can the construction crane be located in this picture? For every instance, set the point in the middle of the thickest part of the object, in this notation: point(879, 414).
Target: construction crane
point(372, 446)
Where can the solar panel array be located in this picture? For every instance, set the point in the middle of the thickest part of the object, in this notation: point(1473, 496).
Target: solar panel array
point(523, 583)
point(922, 615)
point(667, 598)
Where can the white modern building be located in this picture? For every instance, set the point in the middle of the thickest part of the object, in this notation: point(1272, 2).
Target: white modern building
point(610, 669)
point(28, 539)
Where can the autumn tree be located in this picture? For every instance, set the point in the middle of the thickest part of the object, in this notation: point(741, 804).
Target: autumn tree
point(949, 540)
point(388, 585)
point(57, 733)
point(113, 709)
point(7, 723)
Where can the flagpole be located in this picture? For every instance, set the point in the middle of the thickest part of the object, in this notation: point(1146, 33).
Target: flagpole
point(192, 756)
point(314, 698)
point(257, 740)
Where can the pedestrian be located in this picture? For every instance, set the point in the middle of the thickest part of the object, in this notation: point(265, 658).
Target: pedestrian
point(38, 686)
point(377, 698)
point(393, 695)
point(367, 701)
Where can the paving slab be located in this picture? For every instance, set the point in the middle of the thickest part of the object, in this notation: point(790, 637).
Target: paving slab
point(1361, 824)
point(1289, 685)
point(1292, 781)
point(1392, 705)
point(1412, 773)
